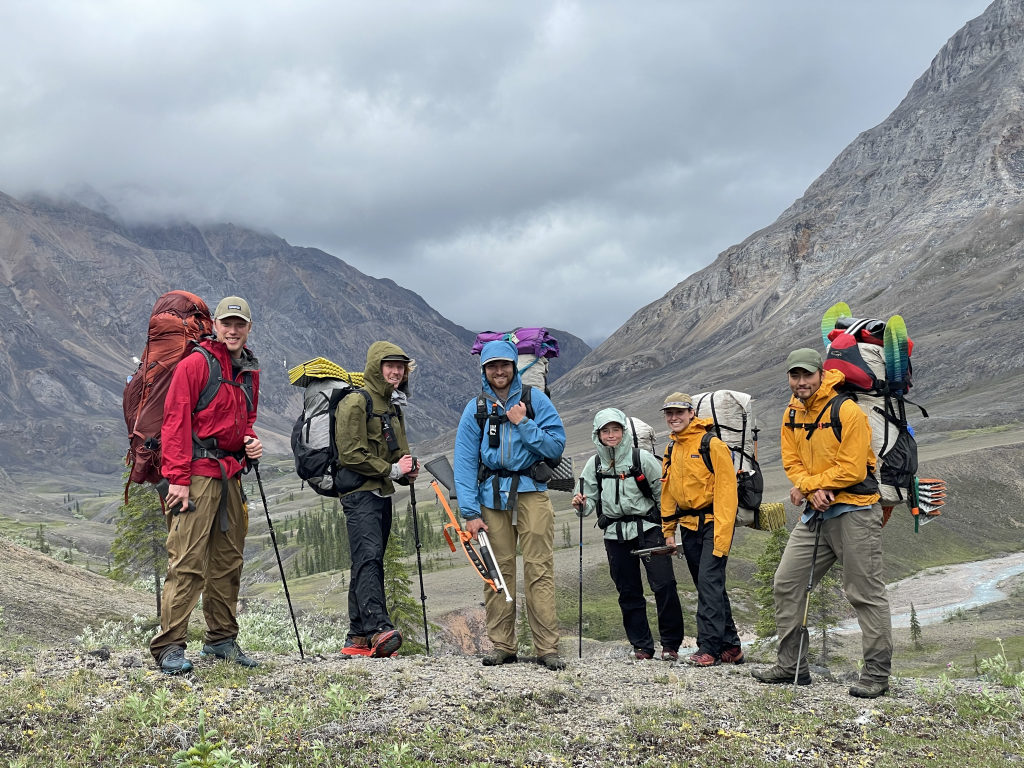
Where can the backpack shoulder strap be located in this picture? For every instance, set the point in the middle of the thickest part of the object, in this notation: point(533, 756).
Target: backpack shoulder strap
point(835, 421)
point(639, 476)
point(526, 398)
point(481, 411)
point(213, 380)
point(367, 399)
point(705, 450)
point(636, 441)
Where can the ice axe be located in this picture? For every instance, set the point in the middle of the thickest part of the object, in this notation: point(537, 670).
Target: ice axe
point(255, 464)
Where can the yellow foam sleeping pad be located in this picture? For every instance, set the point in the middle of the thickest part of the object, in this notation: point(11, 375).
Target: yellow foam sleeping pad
point(771, 517)
point(322, 368)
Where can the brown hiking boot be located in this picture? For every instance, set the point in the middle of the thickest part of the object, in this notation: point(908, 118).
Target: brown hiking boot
point(732, 655)
point(869, 689)
point(500, 657)
point(667, 654)
point(385, 643)
point(641, 655)
point(779, 676)
point(552, 661)
point(703, 659)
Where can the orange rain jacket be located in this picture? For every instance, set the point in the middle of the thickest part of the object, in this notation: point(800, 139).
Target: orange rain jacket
point(687, 484)
point(822, 462)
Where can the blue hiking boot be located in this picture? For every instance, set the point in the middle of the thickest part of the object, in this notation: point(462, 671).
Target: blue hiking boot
point(229, 651)
point(174, 662)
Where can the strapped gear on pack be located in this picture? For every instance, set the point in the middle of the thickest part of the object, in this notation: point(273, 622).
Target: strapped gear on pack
point(735, 425)
point(869, 485)
point(855, 347)
point(543, 471)
point(313, 434)
point(535, 346)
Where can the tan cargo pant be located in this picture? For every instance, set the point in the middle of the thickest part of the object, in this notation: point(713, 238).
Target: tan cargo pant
point(535, 532)
point(855, 540)
point(203, 560)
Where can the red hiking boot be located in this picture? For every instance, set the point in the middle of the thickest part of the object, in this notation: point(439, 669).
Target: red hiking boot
point(356, 646)
point(385, 643)
point(702, 659)
point(732, 655)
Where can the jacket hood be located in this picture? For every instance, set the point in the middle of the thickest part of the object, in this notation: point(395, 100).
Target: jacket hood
point(373, 378)
point(622, 454)
point(826, 392)
point(500, 350)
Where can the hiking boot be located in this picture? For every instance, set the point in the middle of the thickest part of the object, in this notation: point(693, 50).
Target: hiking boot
point(869, 689)
point(229, 651)
point(552, 661)
point(174, 662)
point(667, 654)
point(703, 659)
point(779, 676)
point(641, 655)
point(385, 643)
point(732, 655)
point(356, 646)
point(500, 657)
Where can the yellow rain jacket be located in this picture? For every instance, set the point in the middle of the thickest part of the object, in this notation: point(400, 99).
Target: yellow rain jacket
point(687, 484)
point(822, 462)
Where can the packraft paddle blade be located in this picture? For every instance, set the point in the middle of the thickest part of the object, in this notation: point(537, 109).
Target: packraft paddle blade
point(442, 471)
point(897, 351)
point(828, 321)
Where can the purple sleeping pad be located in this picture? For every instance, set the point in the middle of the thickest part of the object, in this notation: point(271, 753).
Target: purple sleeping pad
point(529, 341)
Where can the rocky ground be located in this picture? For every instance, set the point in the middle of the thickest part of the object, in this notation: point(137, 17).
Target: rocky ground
point(63, 707)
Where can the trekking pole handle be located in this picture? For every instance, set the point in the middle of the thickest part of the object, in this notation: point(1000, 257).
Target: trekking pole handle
point(251, 462)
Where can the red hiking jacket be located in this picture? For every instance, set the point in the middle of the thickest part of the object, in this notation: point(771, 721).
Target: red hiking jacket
point(227, 418)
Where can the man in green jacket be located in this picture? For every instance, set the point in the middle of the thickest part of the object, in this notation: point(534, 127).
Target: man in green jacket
point(373, 454)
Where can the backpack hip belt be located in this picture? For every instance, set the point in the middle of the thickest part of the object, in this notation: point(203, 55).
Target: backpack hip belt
point(603, 522)
point(701, 515)
point(207, 449)
point(485, 473)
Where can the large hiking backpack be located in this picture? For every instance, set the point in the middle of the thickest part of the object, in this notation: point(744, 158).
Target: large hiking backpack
point(536, 347)
point(734, 425)
point(178, 322)
point(313, 435)
point(643, 435)
point(856, 349)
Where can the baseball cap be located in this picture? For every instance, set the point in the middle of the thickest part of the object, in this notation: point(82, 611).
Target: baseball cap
point(233, 306)
point(805, 359)
point(397, 358)
point(677, 400)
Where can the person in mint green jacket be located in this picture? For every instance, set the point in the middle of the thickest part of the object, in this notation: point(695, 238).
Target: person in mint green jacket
point(628, 507)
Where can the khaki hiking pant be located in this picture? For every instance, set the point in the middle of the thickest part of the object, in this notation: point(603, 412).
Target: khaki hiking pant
point(535, 532)
point(855, 540)
point(203, 560)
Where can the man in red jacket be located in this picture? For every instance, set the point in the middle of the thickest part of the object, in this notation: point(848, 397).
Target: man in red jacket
point(206, 434)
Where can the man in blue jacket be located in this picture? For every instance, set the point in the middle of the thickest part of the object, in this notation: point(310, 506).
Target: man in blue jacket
point(505, 435)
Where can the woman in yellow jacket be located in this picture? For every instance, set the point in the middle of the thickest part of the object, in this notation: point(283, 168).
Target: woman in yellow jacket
point(703, 505)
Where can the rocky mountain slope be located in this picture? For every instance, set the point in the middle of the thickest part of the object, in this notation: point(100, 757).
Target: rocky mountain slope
point(922, 215)
point(77, 286)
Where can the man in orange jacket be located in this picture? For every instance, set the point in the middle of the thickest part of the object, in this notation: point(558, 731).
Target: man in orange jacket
point(703, 503)
point(826, 452)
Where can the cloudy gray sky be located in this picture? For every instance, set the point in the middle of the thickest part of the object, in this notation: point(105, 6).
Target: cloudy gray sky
point(516, 163)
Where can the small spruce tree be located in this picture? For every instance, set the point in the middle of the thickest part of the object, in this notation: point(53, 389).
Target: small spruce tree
point(915, 628)
point(764, 578)
point(140, 544)
point(827, 603)
point(403, 609)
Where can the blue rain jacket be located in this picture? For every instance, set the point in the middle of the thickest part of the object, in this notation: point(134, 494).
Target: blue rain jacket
point(521, 445)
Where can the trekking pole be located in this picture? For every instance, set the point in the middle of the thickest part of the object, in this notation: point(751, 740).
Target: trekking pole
point(815, 518)
point(255, 464)
point(581, 573)
point(419, 562)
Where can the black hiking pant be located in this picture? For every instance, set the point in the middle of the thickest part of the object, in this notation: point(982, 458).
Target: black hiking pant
point(716, 630)
point(625, 572)
point(368, 520)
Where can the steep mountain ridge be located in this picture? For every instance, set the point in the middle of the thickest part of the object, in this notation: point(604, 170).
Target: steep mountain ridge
point(77, 288)
point(922, 215)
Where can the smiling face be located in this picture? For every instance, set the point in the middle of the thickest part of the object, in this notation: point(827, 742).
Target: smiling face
point(499, 374)
point(393, 372)
point(678, 419)
point(610, 434)
point(233, 332)
point(803, 383)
